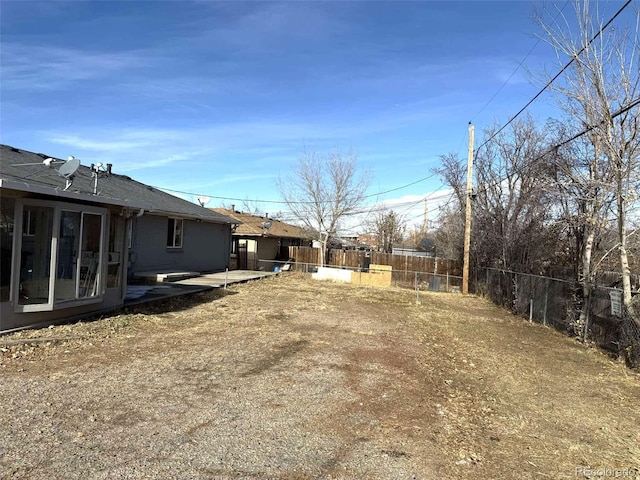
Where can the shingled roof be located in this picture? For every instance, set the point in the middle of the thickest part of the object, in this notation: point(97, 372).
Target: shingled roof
point(252, 225)
point(25, 171)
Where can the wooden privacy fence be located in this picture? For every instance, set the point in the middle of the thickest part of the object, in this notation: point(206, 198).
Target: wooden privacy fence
point(362, 259)
point(308, 255)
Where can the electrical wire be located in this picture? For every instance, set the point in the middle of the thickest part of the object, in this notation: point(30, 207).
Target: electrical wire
point(548, 84)
point(282, 202)
point(381, 208)
point(564, 142)
point(516, 69)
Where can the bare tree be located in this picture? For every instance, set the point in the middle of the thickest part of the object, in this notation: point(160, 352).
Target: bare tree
point(601, 90)
point(322, 190)
point(390, 228)
point(511, 207)
point(449, 234)
point(582, 175)
point(454, 173)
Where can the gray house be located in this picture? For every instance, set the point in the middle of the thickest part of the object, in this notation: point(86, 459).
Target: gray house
point(71, 237)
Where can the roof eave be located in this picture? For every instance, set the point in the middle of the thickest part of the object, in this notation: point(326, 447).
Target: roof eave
point(204, 218)
point(70, 195)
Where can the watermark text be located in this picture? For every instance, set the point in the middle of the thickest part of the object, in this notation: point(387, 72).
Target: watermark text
point(589, 472)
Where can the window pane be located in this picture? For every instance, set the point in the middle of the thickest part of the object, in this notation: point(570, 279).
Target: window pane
point(7, 205)
point(68, 241)
point(90, 255)
point(116, 239)
point(35, 256)
point(170, 232)
point(174, 232)
point(178, 235)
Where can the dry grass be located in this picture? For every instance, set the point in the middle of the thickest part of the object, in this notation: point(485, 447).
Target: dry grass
point(291, 378)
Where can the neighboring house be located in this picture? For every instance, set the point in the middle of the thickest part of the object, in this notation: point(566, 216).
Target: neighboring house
point(69, 246)
point(370, 241)
point(259, 243)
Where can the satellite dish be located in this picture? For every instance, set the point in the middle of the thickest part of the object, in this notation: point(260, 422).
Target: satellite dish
point(203, 200)
point(266, 225)
point(68, 169)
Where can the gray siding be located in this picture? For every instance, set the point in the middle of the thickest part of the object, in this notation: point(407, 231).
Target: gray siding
point(267, 250)
point(205, 246)
point(10, 319)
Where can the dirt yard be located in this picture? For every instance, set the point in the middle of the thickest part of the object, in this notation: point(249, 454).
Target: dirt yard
point(288, 378)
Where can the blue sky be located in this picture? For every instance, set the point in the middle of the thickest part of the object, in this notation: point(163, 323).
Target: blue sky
point(219, 98)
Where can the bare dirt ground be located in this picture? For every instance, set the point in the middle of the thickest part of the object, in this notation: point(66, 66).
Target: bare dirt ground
point(287, 378)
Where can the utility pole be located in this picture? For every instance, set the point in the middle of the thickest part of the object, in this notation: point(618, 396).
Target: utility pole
point(467, 223)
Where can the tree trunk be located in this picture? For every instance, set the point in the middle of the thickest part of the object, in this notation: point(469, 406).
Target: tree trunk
point(624, 260)
point(323, 248)
point(586, 278)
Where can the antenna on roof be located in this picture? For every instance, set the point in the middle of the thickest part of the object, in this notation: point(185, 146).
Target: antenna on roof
point(203, 200)
point(68, 169)
point(97, 170)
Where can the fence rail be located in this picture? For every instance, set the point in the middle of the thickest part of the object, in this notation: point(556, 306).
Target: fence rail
point(362, 259)
point(420, 281)
point(558, 303)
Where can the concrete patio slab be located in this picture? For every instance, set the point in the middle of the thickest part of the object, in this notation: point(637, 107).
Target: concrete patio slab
point(165, 276)
point(226, 278)
point(141, 294)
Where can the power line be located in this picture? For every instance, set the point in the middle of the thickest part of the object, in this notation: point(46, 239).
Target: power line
point(591, 127)
point(282, 202)
point(516, 69)
point(573, 58)
point(402, 187)
point(381, 207)
point(617, 113)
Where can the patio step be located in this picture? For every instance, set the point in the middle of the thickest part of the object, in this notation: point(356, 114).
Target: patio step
point(160, 277)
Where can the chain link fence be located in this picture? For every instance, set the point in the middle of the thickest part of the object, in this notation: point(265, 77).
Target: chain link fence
point(558, 303)
point(630, 340)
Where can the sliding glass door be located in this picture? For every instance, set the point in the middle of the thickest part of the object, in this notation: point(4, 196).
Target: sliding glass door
point(89, 278)
point(61, 250)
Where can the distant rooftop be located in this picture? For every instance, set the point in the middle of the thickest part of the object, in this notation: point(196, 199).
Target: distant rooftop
point(254, 225)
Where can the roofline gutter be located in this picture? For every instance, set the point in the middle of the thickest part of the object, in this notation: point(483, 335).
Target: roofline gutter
point(144, 207)
point(270, 235)
point(69, 195)
point(164, 213)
